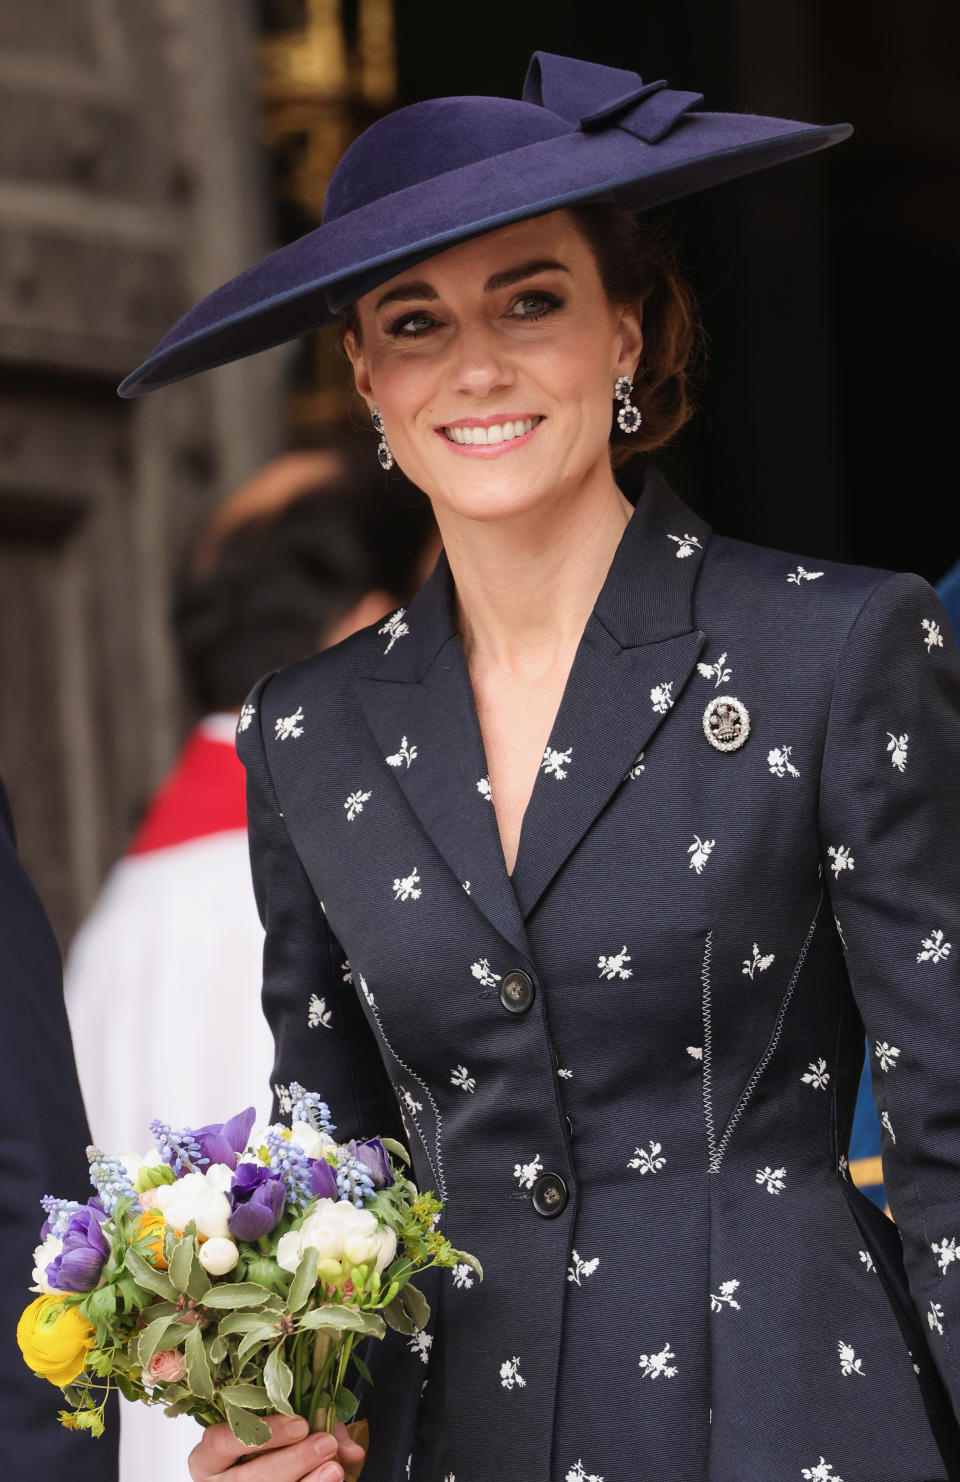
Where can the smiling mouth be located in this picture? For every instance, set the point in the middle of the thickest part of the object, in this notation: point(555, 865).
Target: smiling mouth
point(500, 432)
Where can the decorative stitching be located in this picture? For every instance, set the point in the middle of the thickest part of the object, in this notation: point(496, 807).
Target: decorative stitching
point(435, 1168)
point(717, 1150)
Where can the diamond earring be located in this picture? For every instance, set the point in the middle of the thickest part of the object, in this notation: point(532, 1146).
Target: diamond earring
point(383, 447)
point(628, 417)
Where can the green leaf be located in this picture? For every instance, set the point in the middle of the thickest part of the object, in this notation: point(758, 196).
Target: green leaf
point(278, 1377)
point(244, 1322)
point(416, 1304)
point(304, 1281)
point(265, 1334)
point(248, 1428)
point(216, 1348)
point(129, 1389)
point(186, 1272)
point(333, 1319)
point(397, 1148)
point(395, 1317)
point(346, 1405)
point(145, 1275)
point(465, 1258)
point(199, 1377)
point(151, 1339)
point(362, 1369)
point(247, 1396)
point(233, 1294)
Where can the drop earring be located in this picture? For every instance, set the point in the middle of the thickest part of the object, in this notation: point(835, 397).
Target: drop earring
point(629, 417)
point(383, 447)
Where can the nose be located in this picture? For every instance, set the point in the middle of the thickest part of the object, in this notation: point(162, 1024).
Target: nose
point(480, 362)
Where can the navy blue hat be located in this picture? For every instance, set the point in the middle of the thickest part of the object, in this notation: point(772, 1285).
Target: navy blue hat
point(426, 177)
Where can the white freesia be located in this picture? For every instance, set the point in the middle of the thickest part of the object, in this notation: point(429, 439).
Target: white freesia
point(218, 1256)
point(193, 1197)
point(338, 1231)
point(314, 1143)
point(219, 1175)
point(42, 1257)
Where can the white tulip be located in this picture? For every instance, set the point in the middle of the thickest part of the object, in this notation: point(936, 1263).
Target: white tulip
point(314, 1144)
point(220, 1175)
point(338, 1231)
point(218, 1256)
point(42, 1257)
point(193, 1197)
point(289, 1251)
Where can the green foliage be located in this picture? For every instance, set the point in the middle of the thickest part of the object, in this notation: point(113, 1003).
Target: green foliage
point(148, 1277)
point(199, 1378)
point(278, 1377)
point(304, 1281)
point(235, 1294)
point(248, 1428)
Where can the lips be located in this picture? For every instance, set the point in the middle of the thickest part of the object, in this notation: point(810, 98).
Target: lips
point(490, 435)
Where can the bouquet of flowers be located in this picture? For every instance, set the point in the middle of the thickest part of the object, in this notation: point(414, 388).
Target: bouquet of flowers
point(230, 1273)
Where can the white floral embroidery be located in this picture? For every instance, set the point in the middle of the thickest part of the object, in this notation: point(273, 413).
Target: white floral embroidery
point(565, 1075)
point(822, 1472)
point(246, 716)
point(695, 1051)
point(658, 1365)
point(615, 966)
point(661, 697)
point(462, 1276)
point(842, 858)
point(885, 1119)
point(946, 1252)
point(461, 1077)
point(577, 1473)
point(725, 1297)
point(773, 1178)
point(934, 638)
point(867, 1260)
point(638, 767)
point(421, 1343)
point(355, 802)
point(555, 763)
point(778, 760)
point(716, 671)
point(898, 745)
point(648, 1162)
point(686, 544)
point(484, 789)
point(346, 971)
point(395, 627)
point(318, 1014)
point(366, 991)
point(405, 887)
point(526, 1174)
point(284, 1099)
point(510, 1375)
point(410, 1102)
point(756, 963)
point(405, 753)
point(888, 1055)
point(801, 575)
point(817, 1075)
point(484, 973)
point(289, 725)
point(935, 949)
point(843, 1166)
point(849, 1363)
point(581, 1269)
point(935, 1318)
point(466, 885)
point(700, 851)
point(843, 940)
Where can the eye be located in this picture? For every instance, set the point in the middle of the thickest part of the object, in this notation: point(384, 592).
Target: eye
point(411, 326)
point(533, 306)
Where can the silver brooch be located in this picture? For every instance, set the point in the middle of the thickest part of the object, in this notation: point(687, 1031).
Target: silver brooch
point(726, 723)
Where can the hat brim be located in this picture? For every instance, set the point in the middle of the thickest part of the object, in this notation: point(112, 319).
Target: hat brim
point(306, 284)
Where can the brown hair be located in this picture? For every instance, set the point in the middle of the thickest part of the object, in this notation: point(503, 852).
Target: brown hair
point(637, 265)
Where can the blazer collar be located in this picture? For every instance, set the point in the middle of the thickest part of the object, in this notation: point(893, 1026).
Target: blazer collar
point(639, 638)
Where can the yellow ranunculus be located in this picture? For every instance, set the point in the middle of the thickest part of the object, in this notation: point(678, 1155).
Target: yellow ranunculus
point(148, 1237)
point(54, 1339)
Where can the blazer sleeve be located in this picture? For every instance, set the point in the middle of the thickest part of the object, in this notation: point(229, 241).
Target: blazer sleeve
point(302, 961)
point(890, 832)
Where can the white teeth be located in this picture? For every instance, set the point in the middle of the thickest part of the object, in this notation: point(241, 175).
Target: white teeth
point(498, 433)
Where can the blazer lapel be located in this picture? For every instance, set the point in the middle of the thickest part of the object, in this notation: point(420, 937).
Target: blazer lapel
point(419, 706)
point(638, 650)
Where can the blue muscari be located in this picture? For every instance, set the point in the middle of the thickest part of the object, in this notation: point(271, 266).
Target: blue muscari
point(308, 1107)
point(58, 1212)
point(353, 1180)
point(178, 1147)
point(292, 1164)
point(109, 1178)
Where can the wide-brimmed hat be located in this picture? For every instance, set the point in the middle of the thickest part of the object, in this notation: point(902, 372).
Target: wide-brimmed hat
point(428, 176)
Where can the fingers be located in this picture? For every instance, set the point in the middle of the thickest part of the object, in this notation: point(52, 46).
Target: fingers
point(350, 1450)
point(276, 1461)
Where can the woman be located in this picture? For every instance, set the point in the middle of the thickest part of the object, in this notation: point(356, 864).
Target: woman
point(606, 849)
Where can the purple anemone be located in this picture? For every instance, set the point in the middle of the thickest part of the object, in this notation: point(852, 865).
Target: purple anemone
point(85, 1250)
point(323, 1179)
point(373, 1155)
point(222, 1142)
point(257, 1196)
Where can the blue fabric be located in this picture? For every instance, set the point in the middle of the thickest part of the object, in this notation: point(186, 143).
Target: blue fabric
point(41, 1152)
point(709, 936)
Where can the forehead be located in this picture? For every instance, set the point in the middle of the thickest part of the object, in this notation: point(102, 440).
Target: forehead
point(471, 263)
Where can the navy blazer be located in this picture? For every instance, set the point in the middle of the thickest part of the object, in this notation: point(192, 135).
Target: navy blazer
point(630, 1069)
point(42, 1152)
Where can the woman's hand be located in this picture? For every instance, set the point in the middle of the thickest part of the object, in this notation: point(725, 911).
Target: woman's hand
point(292, 1455)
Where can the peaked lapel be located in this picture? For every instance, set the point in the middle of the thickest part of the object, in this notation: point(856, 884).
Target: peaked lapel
point(636, 654)
point(421, 694)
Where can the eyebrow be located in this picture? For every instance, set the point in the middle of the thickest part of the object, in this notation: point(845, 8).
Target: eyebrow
point(421, 289)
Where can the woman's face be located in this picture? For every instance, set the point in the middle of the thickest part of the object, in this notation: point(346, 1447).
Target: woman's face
point(512, 334)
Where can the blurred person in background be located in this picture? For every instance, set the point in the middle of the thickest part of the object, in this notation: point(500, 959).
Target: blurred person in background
point(45, 1131)
point(297, 559)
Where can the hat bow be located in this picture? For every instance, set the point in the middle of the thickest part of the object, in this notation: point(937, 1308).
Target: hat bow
point(593, 97)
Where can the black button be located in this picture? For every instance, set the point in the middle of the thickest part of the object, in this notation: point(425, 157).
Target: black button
point(549, 1195)
point(517, 991)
